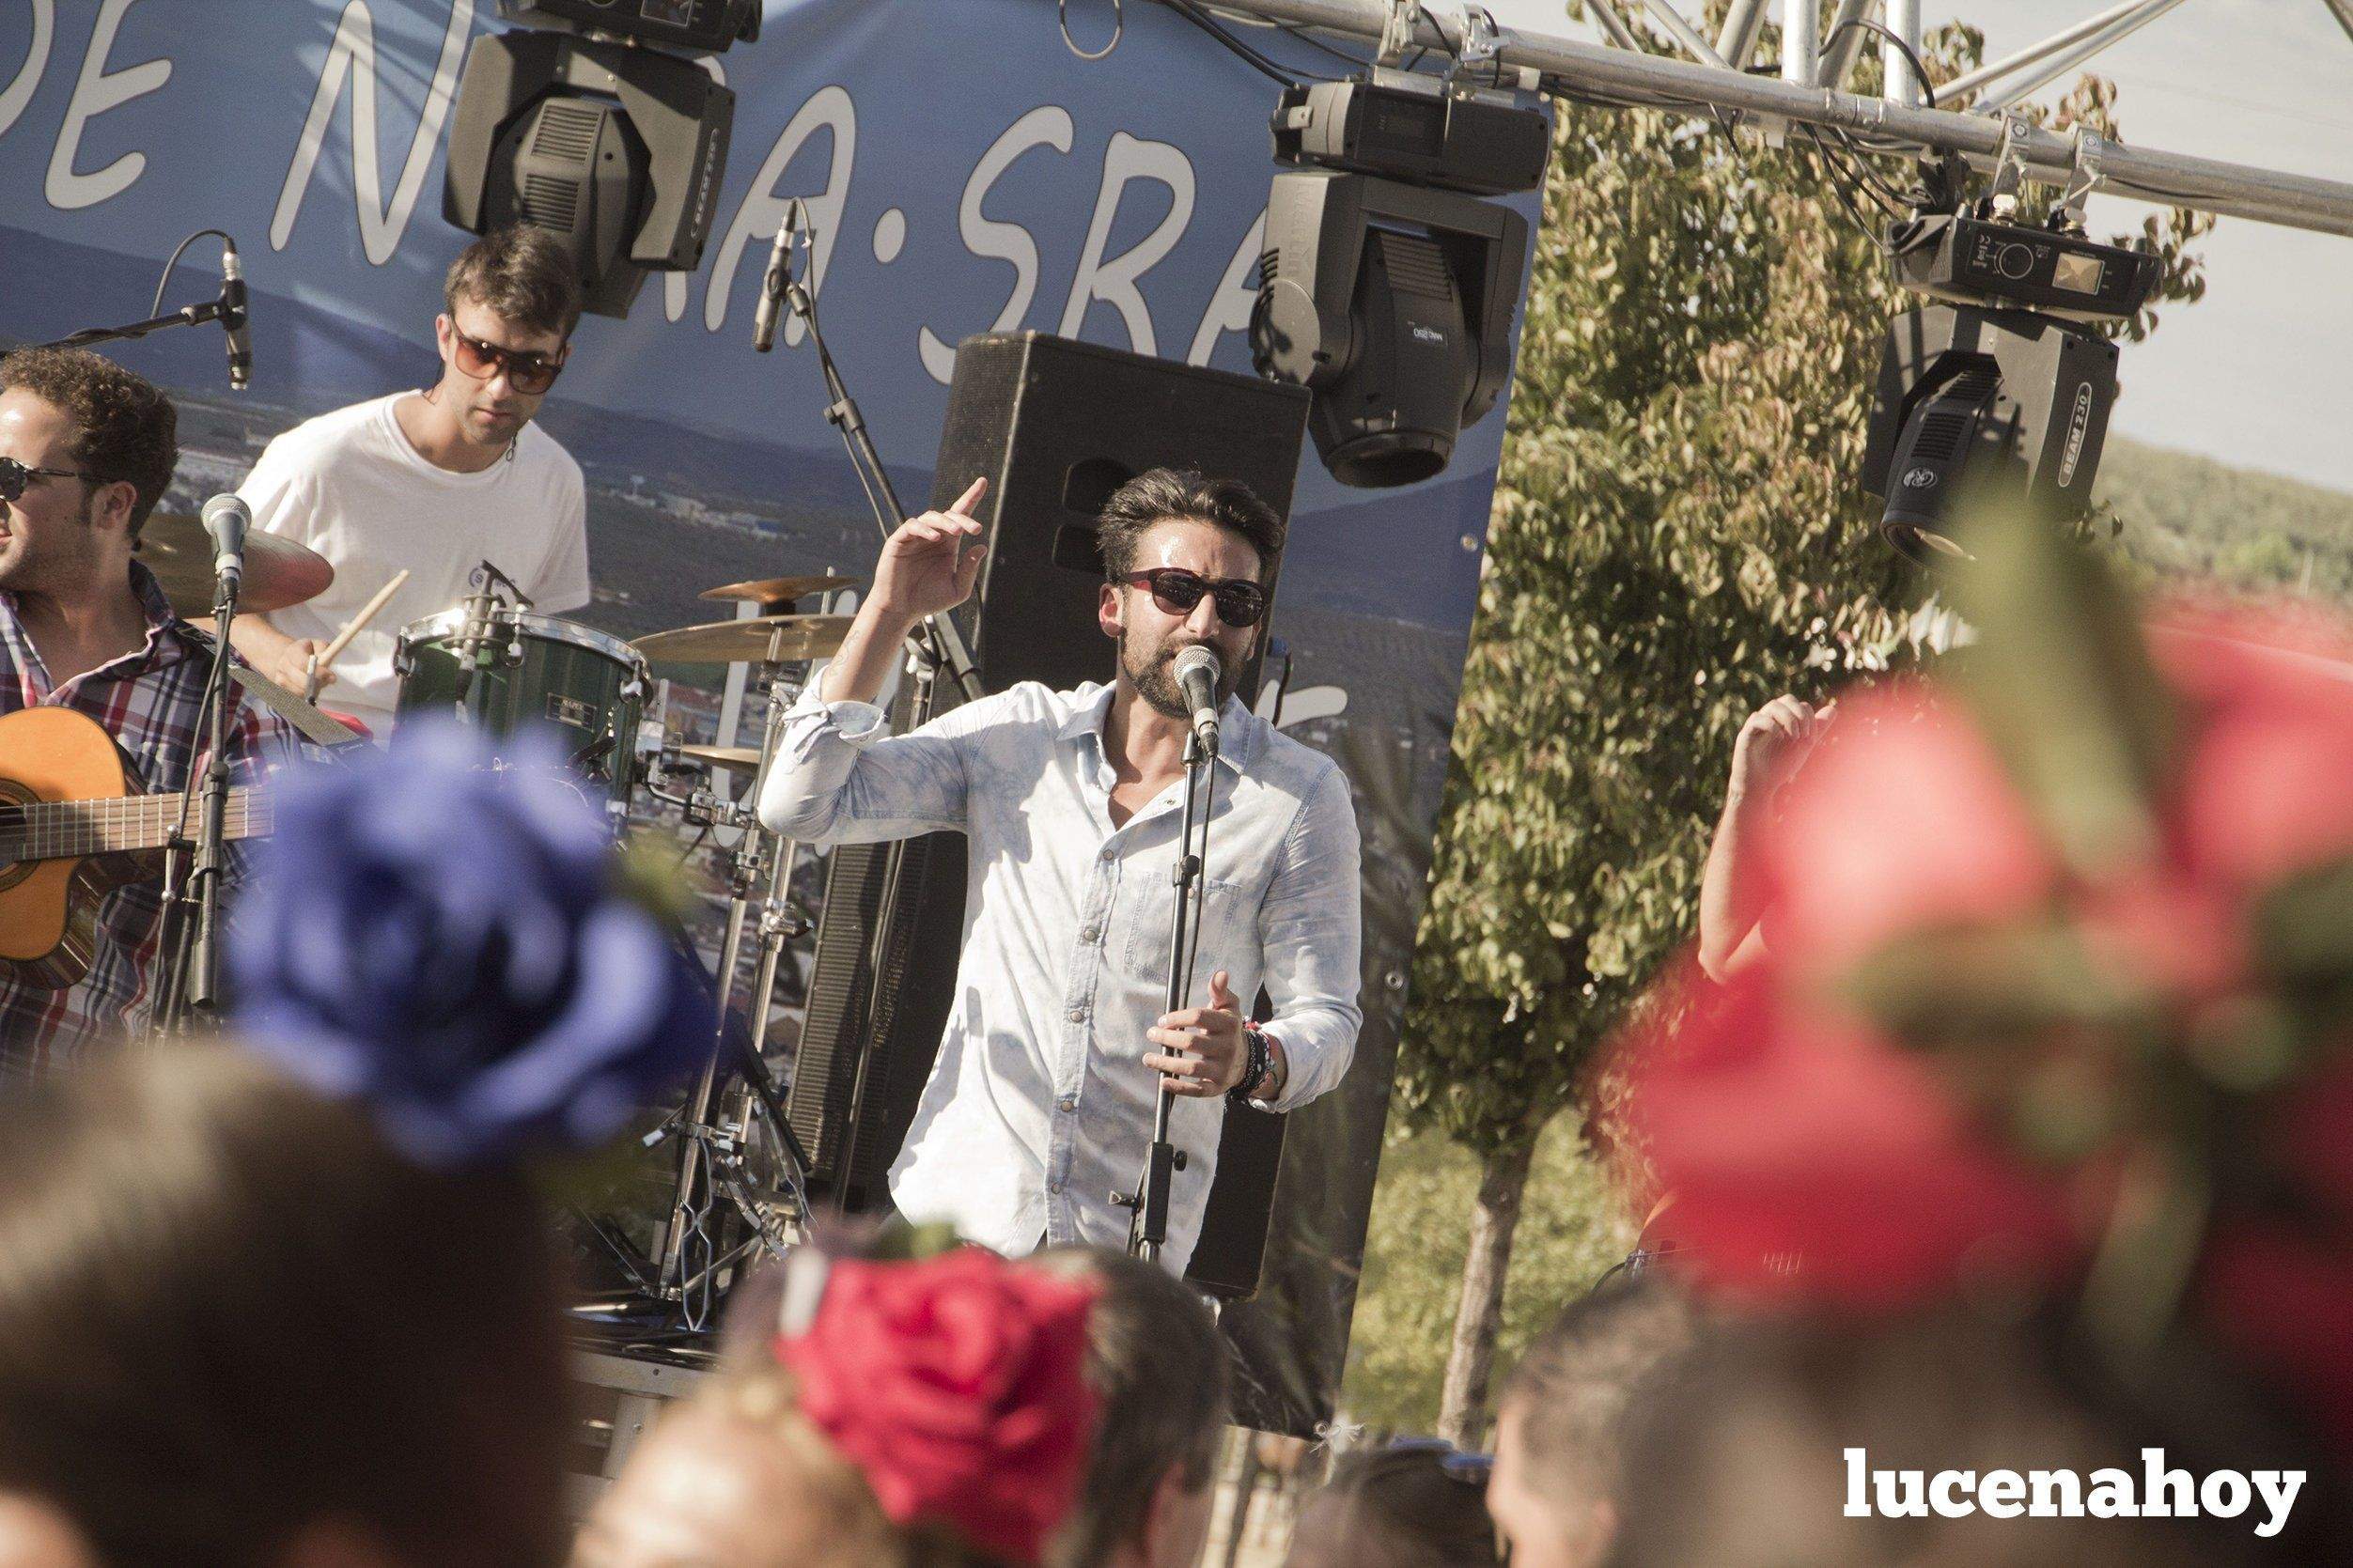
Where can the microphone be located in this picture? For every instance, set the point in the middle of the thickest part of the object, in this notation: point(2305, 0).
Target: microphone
point(778, 275)
point(233, 317)
point(1197, 674)
point(226, 519)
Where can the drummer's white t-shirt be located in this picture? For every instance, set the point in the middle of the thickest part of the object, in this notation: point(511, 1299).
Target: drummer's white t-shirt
point(350, 486)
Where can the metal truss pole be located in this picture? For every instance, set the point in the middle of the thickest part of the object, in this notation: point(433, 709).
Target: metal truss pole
point(1898, 85)
point(2343, 11)
point(1644, 80)
point(2056, 56)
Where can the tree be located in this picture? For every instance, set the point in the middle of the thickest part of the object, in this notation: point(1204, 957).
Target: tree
point(1678, 535)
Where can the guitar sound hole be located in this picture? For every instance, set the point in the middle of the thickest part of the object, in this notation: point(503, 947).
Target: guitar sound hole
point(14, 797)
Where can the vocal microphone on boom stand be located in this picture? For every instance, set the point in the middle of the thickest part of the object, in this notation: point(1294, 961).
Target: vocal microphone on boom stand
point(1198, 671)
point(230, 308)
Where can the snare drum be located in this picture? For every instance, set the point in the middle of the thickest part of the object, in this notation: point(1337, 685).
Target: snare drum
point(530, 671)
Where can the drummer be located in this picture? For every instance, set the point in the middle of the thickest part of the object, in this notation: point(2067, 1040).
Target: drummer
point(434, 482)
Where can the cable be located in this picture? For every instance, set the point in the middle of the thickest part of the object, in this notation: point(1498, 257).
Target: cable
point(1265, 67)
point(1118, 29)
point(1919, 70)
point(166, 281)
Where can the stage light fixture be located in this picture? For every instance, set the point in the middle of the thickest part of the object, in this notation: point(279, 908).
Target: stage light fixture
point(615, 147)
point(2003, 384)
point(1390, 300)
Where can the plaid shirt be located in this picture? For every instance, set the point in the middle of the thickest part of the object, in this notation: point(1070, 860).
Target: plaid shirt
point(152, 703)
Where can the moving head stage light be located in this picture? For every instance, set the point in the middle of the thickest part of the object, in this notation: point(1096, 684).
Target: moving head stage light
point(2004, 382)
point(1392, 301)
point(616, 149)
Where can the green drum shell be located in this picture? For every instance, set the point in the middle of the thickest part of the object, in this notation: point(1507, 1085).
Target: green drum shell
point(584, 684)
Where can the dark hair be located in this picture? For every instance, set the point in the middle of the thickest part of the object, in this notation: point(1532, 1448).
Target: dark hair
point(522, 274)
point(1160, 1369)
point(1575, 1382)
point(1400, 1506)
point(1159, 494)
point(229, 1312)
point(129, 432)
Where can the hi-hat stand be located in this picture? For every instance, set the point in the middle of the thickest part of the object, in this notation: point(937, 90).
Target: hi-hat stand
point(714, 1150)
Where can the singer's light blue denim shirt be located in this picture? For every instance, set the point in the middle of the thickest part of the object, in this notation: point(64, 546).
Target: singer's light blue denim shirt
point(1039, 1105)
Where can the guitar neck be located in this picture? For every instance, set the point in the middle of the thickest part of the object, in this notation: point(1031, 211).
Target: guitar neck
point(71, 830)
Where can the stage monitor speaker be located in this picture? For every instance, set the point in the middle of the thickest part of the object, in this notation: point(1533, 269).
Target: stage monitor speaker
point(1056, 426)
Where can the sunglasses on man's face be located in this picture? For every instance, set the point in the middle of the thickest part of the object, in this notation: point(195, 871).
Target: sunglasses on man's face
point(14, 476)
point(1240, 601)
point(529, 374)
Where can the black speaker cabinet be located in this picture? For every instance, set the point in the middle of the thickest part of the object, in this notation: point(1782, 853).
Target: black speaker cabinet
point(1056, 426)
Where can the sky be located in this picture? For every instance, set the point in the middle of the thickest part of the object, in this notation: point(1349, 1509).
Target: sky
point(2256, 373)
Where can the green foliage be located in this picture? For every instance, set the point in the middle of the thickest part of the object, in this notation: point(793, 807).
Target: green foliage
point(1679, 535)
point(1413, 1265)
point(2183, 516)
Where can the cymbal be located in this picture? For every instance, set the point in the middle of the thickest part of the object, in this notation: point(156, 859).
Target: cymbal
point(761, 638)
point(278, 572)
point(779, 590)
point(725, 756)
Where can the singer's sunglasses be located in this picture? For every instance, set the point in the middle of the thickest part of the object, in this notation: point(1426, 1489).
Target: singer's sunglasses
point(529, 374)
point(1240, 601)
point(14, 476)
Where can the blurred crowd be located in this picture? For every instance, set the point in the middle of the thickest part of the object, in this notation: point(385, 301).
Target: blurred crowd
point(2003, 1123)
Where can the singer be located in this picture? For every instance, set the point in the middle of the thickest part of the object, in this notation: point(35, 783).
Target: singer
point(87, 449)
point(433, 482)
point(1041, 1102)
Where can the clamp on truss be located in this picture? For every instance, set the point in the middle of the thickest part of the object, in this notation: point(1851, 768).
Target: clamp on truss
point(2083, 175)
point(1397, 33)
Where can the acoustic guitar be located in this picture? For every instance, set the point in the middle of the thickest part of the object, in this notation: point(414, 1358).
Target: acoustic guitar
point(74, 829)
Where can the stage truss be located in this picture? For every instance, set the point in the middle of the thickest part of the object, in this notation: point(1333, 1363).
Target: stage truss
point(1709, 76)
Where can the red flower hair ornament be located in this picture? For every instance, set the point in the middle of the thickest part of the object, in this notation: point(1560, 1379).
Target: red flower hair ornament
point(957, 1385)
point(2058, 994)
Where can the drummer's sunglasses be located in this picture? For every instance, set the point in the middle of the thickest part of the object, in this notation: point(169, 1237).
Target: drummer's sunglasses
point(14, 476)
point(1240, 601)
point(529, 374)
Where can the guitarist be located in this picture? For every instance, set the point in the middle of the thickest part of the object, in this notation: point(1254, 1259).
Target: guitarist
point(86, 450)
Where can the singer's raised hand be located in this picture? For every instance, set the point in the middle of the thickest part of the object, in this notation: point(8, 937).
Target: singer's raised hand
point(931, 562)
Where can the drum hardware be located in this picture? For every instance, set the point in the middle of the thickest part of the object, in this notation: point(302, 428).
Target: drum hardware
point(711, 1153)
point(497, 665)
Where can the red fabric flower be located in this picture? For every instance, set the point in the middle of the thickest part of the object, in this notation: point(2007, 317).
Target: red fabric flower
point(1808, 1162)
point(958, 1386)
point(1902, 818)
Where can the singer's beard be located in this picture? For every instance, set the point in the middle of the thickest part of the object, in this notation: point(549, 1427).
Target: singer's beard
point(1153, 672)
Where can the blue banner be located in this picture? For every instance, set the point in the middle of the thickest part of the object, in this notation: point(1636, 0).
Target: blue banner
point(965, 170)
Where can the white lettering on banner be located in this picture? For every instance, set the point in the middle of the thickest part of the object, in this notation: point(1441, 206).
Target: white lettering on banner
point(1114, 281)
point(20, 92)
point(1044, 126)
point(351, 56)
point(96, 91)
point(1230, 306)
point(829, 109)
point(2159, 1492)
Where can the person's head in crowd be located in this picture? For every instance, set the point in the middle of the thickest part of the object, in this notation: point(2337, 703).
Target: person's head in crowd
point(1417, 1503)
point(930, 1414)
point(1559, 1422)
point(34, 1534)
point(1161, 1373)
point(238, 1329)
point(1739, 1461)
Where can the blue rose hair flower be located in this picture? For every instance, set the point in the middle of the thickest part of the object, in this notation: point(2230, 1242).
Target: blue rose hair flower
point(451, 942)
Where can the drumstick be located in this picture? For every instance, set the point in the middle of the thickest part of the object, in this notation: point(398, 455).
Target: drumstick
point(326, 656)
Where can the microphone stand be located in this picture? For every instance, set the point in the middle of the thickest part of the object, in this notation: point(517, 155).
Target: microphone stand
point(188, 316)
point(1147, 1207)
point(192, 903)
point(938, 640)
